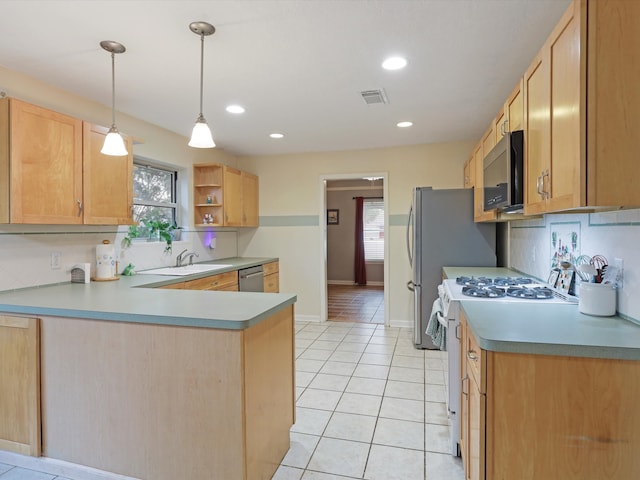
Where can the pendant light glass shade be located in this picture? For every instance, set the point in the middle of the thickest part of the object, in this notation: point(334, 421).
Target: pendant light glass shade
point(201, 134)
point(113, 143)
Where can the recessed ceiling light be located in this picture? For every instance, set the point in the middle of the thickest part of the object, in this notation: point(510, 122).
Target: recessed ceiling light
point(235, 109)
point(394, 63)
point(404, 124)
point(276, 135)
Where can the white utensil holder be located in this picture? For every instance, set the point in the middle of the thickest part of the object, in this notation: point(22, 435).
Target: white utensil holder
point(597, 299)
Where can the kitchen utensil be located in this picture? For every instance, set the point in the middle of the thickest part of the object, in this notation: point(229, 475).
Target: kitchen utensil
point(582, 259)
point(597, 299)
point(610, 275)
point(600, 262)
point(586, 272)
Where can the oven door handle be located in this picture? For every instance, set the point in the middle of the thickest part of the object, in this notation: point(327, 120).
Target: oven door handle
point(457, 332)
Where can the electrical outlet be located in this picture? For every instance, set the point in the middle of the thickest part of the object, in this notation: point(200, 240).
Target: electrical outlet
point(55, 260)
point(619, 264)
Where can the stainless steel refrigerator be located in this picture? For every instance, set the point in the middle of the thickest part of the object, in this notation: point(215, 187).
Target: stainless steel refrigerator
point(441, 232)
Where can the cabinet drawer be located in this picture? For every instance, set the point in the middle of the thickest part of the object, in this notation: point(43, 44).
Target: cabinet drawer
point(270, 268)
point(476, 361)
point(228, 288)
point(174, 286)
point(214, 282)
point(271, 283)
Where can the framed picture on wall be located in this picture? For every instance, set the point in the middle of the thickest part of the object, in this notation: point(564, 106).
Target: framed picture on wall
point(333, 217)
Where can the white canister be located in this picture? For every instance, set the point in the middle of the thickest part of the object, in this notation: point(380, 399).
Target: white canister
point(105, 261)
point(597, 299)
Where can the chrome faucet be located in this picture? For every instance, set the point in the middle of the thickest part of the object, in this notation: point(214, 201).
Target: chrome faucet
point(182, 257)
point(179, 258)
point(190, 256)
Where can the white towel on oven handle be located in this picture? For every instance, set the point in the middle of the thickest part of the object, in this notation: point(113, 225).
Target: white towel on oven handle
point(435, 329)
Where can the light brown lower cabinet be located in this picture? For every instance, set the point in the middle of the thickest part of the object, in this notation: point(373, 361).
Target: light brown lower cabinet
point(167, 402)
point(227, 281)
point(549, 417)
point(271, 277)
point(20, 385)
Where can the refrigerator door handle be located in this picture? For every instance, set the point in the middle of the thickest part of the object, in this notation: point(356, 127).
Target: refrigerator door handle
point(409, 224)
point(417, 317)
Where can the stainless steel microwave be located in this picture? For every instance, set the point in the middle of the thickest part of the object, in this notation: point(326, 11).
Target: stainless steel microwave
point(503, 177)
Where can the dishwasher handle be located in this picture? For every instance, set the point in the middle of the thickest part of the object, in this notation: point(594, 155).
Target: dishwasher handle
point(251, 275)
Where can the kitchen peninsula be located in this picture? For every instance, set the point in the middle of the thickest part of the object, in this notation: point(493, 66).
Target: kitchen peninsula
point(149, 383)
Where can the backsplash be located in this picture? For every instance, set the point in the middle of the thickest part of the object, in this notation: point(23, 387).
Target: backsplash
point(610, 234)
point(25, 251)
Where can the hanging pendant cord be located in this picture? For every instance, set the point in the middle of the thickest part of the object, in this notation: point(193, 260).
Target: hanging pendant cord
point(201, 69)
point(113, 90)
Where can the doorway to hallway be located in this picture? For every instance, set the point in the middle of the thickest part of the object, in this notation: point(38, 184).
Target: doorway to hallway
point(344, 296)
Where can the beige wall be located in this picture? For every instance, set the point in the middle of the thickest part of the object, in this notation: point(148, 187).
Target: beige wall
point(25, 249)
point(290, 185)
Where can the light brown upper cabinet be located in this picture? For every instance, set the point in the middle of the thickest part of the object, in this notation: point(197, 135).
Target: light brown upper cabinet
point(232, 197)
point(469, 173)
point(107, 180)
point(511, 116)
point(485, 146)
point(514, 108)
point(43, 165)
point(228, 195)
point(582, 109)
point(250, 194)
point(51, 174)
point(207, 194)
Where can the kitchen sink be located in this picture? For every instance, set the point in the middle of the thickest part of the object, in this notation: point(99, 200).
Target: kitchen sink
point(186, 270)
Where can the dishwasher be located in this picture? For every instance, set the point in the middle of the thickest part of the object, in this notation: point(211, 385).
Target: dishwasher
point(251, 279)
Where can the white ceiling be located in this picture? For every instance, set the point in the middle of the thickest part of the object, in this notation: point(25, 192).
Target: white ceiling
point(296, 66)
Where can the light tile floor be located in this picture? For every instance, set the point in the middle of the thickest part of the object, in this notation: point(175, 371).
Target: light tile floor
point(9, 472)
point(369, 406)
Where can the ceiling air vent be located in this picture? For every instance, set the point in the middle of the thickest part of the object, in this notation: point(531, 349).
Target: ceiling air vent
point(371, 97)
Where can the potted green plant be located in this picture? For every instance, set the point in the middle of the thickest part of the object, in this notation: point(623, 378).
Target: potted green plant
point(155, 229)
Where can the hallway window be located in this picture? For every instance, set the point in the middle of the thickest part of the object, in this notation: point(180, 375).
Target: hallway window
point(373, 230)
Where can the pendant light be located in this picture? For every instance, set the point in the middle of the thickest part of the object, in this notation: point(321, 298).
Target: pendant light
point(113, 143)
point(201, 134)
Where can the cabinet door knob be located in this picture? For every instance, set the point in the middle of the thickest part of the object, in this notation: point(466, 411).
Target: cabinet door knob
point(79, 207)
point(471, 355)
